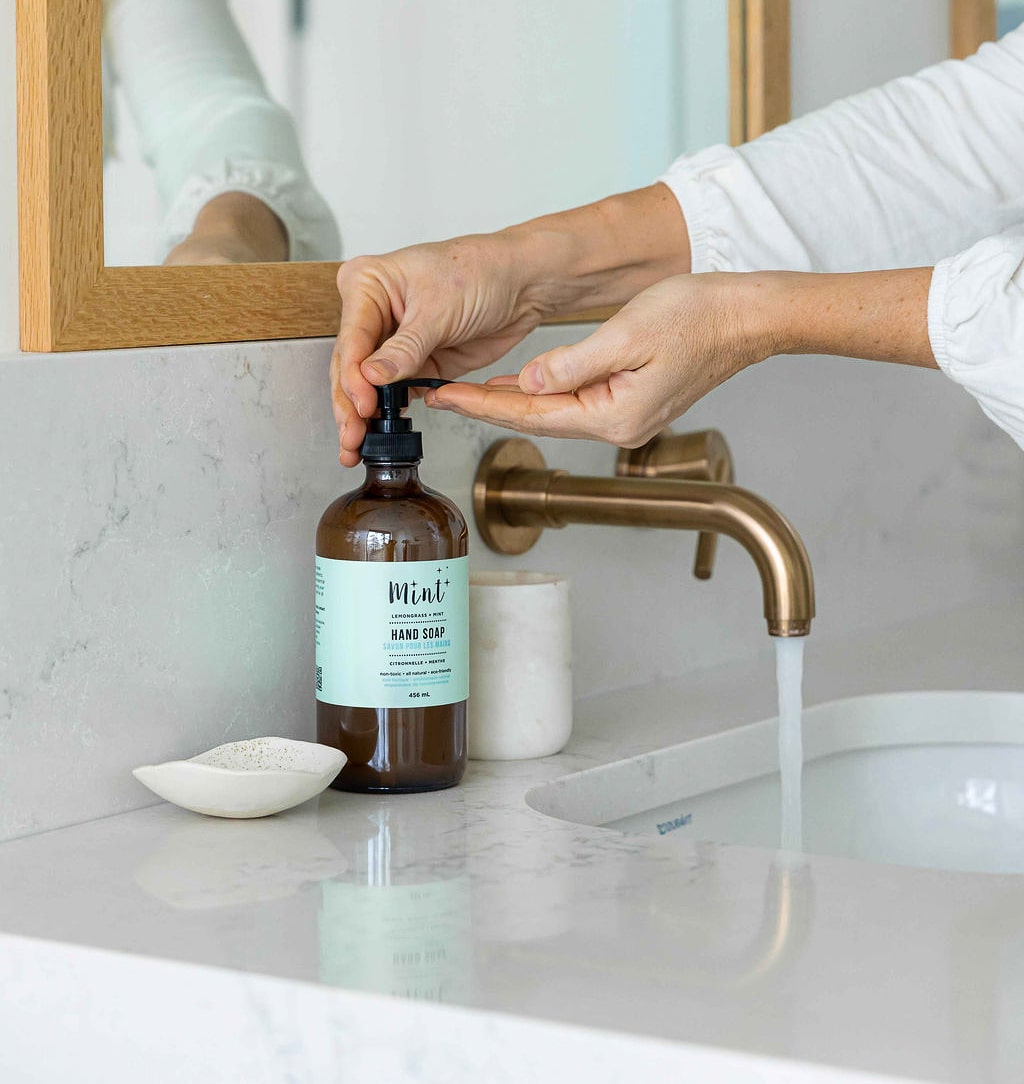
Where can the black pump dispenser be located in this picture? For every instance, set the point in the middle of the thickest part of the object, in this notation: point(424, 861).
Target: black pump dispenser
point(391, 437)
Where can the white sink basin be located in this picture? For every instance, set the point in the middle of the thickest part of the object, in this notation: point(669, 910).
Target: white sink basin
point(916, 779)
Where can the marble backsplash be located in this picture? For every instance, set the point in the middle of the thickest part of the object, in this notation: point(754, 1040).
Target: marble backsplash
point(157, 510)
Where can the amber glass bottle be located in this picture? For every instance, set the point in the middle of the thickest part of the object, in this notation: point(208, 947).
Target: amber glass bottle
point(392, 619)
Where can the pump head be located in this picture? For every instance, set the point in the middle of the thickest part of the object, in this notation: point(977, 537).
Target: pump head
point(391, 436)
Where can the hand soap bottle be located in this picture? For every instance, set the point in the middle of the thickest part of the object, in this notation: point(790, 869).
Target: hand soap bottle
point(392, 600)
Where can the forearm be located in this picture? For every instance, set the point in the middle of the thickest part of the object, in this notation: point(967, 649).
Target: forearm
point(878, 315)
point(601, 254)
point(686, 335)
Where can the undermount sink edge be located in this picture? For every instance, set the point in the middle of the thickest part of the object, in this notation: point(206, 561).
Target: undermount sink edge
point(954, 724)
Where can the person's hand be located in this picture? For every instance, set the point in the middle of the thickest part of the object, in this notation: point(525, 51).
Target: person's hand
point(233, 227)
point(645, 366)
point(450, 308)
point(438, 310)
point(682, 337)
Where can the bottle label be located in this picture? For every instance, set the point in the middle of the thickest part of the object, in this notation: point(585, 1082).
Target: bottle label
point(392, 634)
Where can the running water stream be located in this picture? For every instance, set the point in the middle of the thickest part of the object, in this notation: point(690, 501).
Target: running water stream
point(789, 669)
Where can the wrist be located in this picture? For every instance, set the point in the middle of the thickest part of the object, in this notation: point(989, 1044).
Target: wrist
point(757, 302)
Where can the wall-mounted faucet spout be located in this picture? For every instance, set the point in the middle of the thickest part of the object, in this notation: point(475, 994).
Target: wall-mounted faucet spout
point(515, 496)
point(699, 456)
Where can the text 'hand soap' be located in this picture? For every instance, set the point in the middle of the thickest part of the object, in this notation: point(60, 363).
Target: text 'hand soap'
point(392, 616)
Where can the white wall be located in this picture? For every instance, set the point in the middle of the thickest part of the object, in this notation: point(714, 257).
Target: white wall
point(157, 510)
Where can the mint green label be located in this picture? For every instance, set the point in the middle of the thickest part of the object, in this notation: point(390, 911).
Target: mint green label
point(392, 634)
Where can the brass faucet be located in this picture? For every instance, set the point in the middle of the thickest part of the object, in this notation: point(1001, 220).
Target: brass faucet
point(515, 496)
point(701, 455)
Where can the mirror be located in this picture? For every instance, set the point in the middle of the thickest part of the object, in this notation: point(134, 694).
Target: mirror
point(972, 22)
point(603, 93)
point(471, 118)
point(1009, 15)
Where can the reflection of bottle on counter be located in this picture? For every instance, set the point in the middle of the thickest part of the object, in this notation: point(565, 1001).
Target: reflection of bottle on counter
point(387, 928)
point(392, 618)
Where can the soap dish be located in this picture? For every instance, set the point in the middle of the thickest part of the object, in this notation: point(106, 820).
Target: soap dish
point(252, 778)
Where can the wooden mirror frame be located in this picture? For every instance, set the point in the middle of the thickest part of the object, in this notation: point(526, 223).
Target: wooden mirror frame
point(70, 300)
point(971, 22)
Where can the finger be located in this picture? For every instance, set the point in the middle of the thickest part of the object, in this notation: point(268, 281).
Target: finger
point(351, 427)
point(503, 381)
point(568, 367)
point(404, 355)
point(351, 431)
point(351, 441)
point(349, 459)
point(363, 324)
point(342, 402)
point(346, 416)
point(564, 415)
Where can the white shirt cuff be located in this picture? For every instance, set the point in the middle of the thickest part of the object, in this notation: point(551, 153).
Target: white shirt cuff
point(976, 325)
point(732, 223)
point(312, 230)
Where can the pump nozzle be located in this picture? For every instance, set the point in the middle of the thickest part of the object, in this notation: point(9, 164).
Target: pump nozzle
point(391, 436)
point(392, 399)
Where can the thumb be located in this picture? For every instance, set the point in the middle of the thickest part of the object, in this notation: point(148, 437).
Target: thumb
point(403, 355)
point(567, 368)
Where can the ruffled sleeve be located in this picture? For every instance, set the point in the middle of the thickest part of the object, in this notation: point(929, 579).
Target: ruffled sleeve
point(976, 325)
point(733, 223)
point(899, 176)
point(206, 122)
point(312, 230)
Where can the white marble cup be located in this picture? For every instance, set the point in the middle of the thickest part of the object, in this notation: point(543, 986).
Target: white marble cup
point(520, 665)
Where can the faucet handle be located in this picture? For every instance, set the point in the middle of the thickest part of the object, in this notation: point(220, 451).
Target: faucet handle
point(702, 455)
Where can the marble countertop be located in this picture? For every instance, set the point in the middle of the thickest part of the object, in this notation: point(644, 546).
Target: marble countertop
point(463, 936)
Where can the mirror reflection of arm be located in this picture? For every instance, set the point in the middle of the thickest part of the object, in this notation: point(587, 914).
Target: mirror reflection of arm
point(209, 128)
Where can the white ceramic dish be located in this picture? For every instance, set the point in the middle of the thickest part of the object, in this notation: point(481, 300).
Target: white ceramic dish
point(252, 778)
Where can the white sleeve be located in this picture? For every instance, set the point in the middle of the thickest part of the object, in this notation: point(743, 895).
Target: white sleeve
point(899, 176)
point(976, 325)
point(206, 122)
